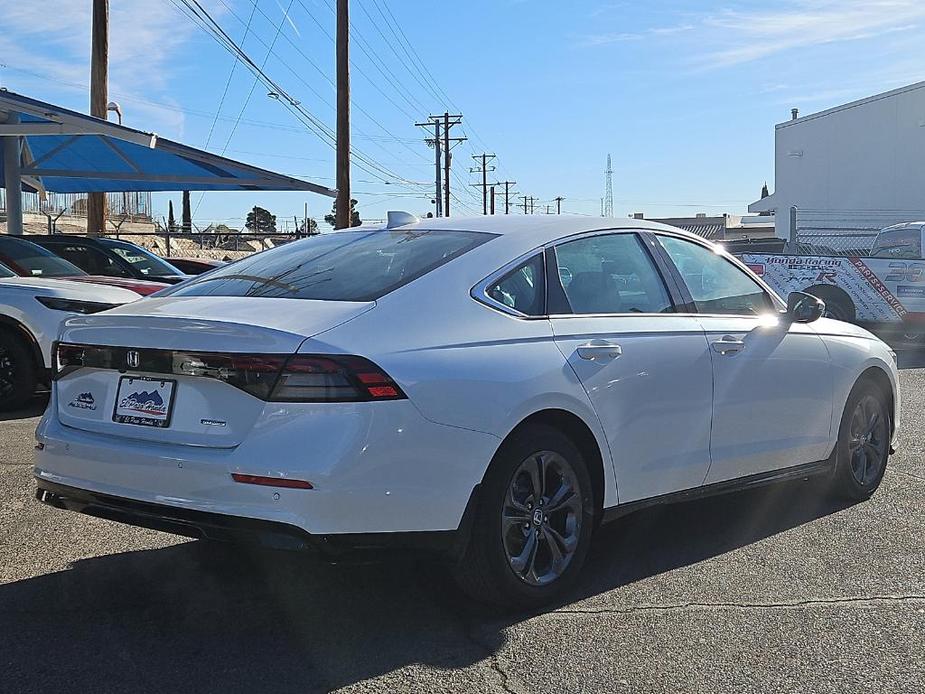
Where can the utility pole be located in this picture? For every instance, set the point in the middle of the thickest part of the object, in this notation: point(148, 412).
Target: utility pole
point(492, 200)
point(483, 169)
point(525, 198)
point(342, 215)
point(532, 200)
point(558, 200)
point(438, 177)
point(99, 98)
point(442, 125)
point(507, 194)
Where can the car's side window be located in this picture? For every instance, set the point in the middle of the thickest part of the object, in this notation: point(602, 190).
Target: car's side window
point(716, 285)
point(611, 273)
point(523, 288)
point(90, 260)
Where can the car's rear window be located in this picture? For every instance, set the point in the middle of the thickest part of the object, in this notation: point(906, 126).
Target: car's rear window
point(340, 266)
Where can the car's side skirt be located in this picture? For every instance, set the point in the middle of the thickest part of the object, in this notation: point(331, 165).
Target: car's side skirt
point(725, 487)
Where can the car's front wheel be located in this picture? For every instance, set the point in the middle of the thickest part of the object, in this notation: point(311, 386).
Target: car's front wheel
point(533, 523)
point(863, 442)
point(17, 371)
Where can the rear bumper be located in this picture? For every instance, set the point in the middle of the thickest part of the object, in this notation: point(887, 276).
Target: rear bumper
point(250, 531)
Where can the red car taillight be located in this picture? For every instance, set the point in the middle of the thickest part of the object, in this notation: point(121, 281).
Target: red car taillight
point(316, 378)
point(272, 377)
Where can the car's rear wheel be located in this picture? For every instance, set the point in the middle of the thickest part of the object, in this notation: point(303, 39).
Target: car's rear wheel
point(863, 442)
point(533, 523)
point(17, 371)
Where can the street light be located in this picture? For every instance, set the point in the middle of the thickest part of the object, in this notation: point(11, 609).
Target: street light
point(114, 106)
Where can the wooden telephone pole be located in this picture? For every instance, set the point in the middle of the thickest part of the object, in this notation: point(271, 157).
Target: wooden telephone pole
point(99, 98)
point(342, 214)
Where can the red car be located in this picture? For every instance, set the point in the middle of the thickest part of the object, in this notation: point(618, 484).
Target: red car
point(27, 259)
point(195, 266)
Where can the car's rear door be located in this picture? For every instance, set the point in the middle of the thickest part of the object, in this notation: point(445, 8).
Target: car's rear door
point(645, 367)
point(772, 395)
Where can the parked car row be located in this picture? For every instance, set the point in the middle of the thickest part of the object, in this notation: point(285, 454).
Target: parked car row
point(45, 279)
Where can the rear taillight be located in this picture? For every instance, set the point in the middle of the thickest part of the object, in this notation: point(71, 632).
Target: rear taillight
point(342, 378)
point(273, 377)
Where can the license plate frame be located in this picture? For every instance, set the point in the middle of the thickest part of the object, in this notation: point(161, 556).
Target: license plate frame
point(123, 415)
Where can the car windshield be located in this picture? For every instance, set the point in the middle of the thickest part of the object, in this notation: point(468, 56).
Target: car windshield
point(899, 243)
point(142, 260)
point(340, 266)
point(29, 260)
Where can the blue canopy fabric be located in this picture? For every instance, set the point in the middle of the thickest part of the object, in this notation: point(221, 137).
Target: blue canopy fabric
point(68, 152)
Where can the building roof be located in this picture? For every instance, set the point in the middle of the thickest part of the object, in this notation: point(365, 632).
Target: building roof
point(711, 228)
point(853, 104)
point(69, 152)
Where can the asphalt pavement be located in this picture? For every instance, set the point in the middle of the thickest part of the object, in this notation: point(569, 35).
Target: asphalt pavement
point(773, 590)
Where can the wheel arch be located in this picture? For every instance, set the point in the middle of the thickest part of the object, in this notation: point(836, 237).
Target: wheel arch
point(880, 378)
point(834, 293)
point(28, 338)
point(578, 431)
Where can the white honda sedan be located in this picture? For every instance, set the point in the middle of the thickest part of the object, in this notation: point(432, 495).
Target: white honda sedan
point(490, 388)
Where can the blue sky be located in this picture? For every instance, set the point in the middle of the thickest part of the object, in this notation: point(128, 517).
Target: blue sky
point(683, 94)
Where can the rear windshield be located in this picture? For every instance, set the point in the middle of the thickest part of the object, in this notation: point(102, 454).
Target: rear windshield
point(31, 260)
point(901, 243)
point(143, 260)
point(340, 266)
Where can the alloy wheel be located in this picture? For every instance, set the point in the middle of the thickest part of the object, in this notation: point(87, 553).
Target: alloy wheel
point(869, 438)
point(7, 373)
point(541, 519)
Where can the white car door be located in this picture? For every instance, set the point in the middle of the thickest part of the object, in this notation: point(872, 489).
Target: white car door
point(772, 396)
point(646, 369)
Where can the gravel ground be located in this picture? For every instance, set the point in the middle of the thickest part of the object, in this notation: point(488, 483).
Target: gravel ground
point(774, 590)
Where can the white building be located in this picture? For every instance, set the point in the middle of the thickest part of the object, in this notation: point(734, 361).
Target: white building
point(857, 166)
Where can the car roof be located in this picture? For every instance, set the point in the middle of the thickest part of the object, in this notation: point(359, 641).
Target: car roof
point(535, 229)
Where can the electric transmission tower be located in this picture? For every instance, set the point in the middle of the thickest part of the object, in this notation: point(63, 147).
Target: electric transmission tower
point(608, 189)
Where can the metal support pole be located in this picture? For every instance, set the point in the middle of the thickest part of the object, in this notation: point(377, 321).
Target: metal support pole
point(793, 229)
point(13, 178)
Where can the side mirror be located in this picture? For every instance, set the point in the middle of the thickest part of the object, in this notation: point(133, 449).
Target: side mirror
point(804, 308)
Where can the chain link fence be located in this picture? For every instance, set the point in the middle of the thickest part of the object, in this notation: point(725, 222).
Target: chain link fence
point(843, 232)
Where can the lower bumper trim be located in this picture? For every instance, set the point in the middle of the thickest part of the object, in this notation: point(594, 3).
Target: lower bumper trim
point(226, 528)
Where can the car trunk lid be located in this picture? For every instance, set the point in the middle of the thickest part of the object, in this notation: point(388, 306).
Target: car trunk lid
point(186, 371)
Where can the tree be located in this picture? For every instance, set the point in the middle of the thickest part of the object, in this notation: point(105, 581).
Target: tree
point(354, 215)
point(187, 214)
point(171, 220)
point(312, 227)
point(260, 221)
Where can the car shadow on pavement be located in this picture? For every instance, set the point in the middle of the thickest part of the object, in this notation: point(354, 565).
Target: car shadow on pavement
point(201, 617)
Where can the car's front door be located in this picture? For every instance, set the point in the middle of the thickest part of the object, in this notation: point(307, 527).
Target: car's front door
point(646, 369)
point(772, 394)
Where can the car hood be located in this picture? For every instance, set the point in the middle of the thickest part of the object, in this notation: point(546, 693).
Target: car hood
point(69, 289)
point(830, 326)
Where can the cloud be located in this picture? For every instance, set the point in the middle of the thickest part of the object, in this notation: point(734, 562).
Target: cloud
point(145, 38)
point(749, 35)
point(624, 36)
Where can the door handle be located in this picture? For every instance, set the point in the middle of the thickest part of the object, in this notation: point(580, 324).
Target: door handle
point(599, 350)
point(728, 345)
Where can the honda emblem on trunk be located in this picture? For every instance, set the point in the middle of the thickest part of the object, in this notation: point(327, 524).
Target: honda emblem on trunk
point(132, 359)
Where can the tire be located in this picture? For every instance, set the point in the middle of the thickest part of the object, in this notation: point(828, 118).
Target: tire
point(17, 370)
point(863, 443)
point(838, 304)
point(529, 558)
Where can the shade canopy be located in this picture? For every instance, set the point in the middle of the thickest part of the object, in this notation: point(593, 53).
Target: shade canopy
point(68, 152)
